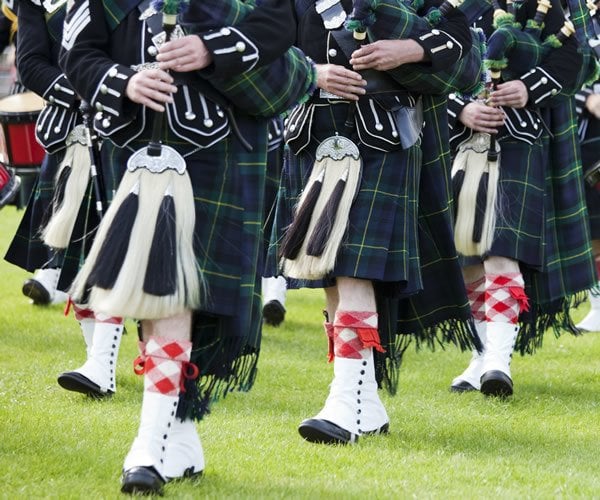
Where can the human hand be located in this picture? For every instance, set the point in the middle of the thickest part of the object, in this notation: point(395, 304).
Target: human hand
point(152, 88)
point(592, 104)
point(184, 54)
point(512, 94)
point(383, 55)
point(340, 81)
point(482, 118)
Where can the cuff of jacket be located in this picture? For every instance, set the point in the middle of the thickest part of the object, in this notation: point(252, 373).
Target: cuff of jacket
point(61, 93)
point(455, 106)
point(109, 96)
point(442, 49)
point(541, 86)
point(232, 52)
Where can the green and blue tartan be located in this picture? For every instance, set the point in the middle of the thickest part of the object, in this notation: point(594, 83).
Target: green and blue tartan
point(267, 90)
point(398, 19)
point(569, 262)
point(399, 236)
point(27, 250)
point(513, 50)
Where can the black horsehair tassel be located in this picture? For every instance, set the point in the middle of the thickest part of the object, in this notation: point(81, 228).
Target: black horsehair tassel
point(161, 273)
point(61, 184)
point(326, 221)
point(296, 233)
point(457, 183)
point(480, 206)
point(112, 254)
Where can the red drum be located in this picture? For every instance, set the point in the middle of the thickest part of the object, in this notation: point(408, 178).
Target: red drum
point(19, 148)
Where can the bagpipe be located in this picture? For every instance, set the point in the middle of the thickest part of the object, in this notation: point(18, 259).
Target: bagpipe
point(398, 19)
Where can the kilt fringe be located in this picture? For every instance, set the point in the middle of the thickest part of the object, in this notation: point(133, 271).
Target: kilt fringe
point(452, 331)
point(460, 332)
point(217, 379)
point(540, 318)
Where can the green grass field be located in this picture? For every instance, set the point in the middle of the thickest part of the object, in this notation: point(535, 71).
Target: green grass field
point(543, 443)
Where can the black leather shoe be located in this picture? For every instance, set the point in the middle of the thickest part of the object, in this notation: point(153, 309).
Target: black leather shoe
point(36, 292)
point(273, 313)
point(142, 481)
point(317, 430)
point(496, 383)
point(462, 386)
point(76, 382)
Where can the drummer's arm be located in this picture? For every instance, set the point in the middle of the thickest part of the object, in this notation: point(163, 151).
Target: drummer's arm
point(85, 59)
point(35, 63)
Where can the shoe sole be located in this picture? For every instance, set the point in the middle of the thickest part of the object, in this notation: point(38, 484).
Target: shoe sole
point(142, 481)
point(75, 382)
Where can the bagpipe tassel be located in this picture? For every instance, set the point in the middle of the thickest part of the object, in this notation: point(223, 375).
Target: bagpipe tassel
point(476, 195)
point(338, 161)
point(326, 221)
point(161, 273)
point(296, 233)
point(142, 263)
point(480, 207)
point(458, 178)
point(115, 243)
point(72, 181)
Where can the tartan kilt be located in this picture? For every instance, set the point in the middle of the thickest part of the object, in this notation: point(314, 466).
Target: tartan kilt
point(399, 236)
point(590, 153)
point(27, 250)
point(569, 267)
point(522, 214)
